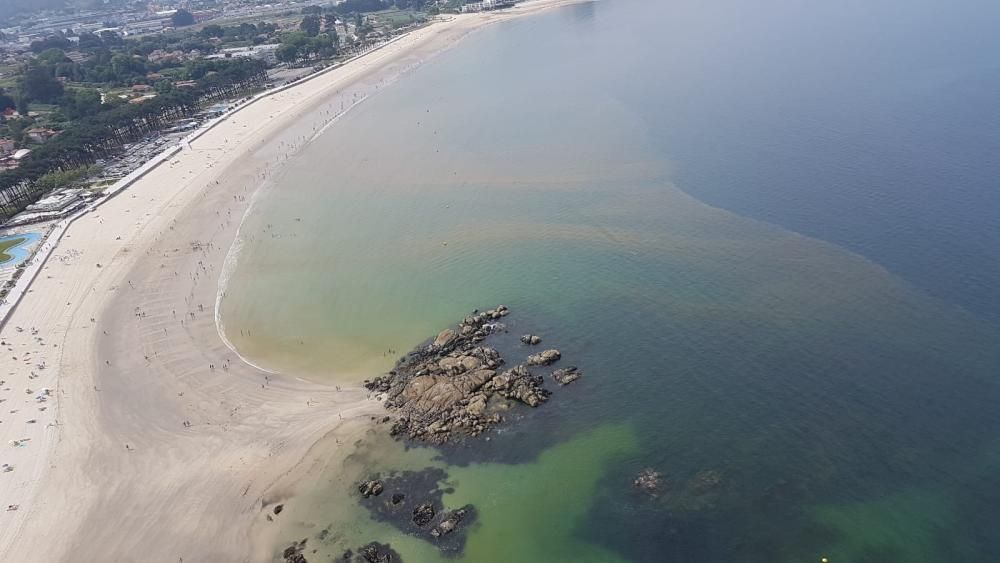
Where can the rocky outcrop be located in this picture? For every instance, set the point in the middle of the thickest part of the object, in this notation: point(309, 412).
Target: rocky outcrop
point(544, 358)
point(519, 384)
point(531, 339)
point(452, 386)
point(698, 493)
point(565, 376)
point(450, 522)
point(414, 504)
point(649, 481)
point(370, 488)
point(372, 553)
point(445, 338)
point(423, 514)
point(293, 553)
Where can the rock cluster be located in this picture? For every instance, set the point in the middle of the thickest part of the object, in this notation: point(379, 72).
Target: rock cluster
point(372, 553)
point(370, 488)
point(414, 503)
point(649, 481)
point(293, 553)
point(700, 492)
point(450, 521)
point(706, 481)
point(531, 339)
point(423, 514)
point(565, 376)
point(544, 358)
point(448, 386)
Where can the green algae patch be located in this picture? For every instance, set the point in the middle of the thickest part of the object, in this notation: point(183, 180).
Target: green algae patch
point(904, 527)
point(532, 511)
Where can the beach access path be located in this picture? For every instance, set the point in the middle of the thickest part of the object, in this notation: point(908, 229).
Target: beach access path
point(134, 433)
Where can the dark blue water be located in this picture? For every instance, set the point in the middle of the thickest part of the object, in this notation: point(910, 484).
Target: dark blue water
point(871, 124)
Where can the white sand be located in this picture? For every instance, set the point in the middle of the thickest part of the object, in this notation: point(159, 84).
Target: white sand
point(144, 452)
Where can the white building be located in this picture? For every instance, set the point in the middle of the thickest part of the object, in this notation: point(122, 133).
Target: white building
point(266, 53)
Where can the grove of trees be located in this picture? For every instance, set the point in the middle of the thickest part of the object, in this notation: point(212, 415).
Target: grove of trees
point(182, 18)
point(98, 129)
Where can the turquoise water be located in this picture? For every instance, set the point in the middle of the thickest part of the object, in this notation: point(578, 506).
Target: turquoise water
point(19, 252)
point(560, 165)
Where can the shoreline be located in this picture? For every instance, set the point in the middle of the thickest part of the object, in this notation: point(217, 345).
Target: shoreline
point(125, 399)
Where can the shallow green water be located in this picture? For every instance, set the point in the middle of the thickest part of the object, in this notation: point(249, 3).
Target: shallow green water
point(849, 414)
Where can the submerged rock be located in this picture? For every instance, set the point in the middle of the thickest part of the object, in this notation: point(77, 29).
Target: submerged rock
point(649, 481)
point(705, 482)
point(372, 553)
point(450, 522)
point(423, 514)
point(565, 376)
point(414, 504)
point(544, 358)
point(370, 488)
point(293, 553)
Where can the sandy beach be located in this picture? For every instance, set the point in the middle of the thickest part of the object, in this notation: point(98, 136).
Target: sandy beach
point(135, 433)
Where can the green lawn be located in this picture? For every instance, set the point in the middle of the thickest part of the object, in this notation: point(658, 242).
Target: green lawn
point(43, 108)
point(6, 245)
point(397, 18)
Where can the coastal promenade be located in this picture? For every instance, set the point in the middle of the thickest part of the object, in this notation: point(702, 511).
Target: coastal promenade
point(132, 432)
point(55, 232)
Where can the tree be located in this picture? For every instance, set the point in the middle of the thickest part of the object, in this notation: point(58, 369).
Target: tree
point(111, 39)
point(68, 70)
point(212, 30)
point(322, 45)
point(182, 18)
point(37, 83)
point(76, 104)
point(52, 57)
point(312, 10)
point(310, 25)
point(6, 100)
point(287, 53)
point(246, 30)
point(90, 41)
point(51, 42)
point(349, 6)
point(329, 22)
point(126, 68)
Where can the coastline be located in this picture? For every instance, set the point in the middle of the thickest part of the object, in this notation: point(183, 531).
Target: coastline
point(157, 441)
